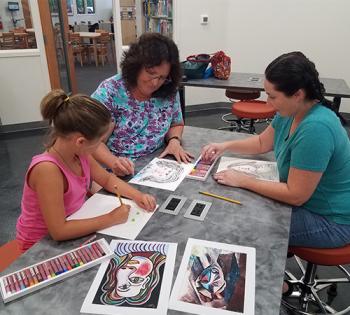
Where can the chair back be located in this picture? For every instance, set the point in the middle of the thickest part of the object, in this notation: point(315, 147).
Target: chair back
point(8, 40)
point(103, 39)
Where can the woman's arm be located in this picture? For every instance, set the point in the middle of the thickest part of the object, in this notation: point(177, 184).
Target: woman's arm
point(173, 138)
point(299, 188)
point(257, 144)
point(48, 182)
point(109, 181)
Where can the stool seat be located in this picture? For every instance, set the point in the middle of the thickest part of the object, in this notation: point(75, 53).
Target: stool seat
point(9, 252)
point(323, 256)
point(242, 94)
point(253, 109)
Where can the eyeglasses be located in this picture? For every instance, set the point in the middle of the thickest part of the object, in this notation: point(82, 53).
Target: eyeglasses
point(159, 78)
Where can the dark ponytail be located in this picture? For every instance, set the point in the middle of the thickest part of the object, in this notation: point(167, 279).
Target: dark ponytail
point(293, 71)
point(78, 113)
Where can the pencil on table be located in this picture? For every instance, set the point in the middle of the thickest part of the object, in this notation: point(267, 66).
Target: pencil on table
point(118, 194)
point(220, 197)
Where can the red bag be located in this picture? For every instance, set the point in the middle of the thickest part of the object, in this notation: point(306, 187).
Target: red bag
point(221, 64)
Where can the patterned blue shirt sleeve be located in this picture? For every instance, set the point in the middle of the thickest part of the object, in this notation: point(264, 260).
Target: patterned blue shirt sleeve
point(104, 95)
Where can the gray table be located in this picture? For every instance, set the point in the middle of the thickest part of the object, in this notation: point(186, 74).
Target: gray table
point(259, 223)
point(336, 88)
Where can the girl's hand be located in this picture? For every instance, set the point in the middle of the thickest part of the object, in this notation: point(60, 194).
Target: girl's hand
point(147, 202)
point(120, 215)
point(122, 166)
point(212, 150)
point(232, 178)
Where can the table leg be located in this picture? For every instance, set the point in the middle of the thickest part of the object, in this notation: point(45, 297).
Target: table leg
point(336, 105)
point(95, 50)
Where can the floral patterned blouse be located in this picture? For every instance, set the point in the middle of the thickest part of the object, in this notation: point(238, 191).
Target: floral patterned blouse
point(140, 126)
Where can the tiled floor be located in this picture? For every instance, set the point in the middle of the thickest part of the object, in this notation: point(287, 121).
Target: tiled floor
point(17, 149)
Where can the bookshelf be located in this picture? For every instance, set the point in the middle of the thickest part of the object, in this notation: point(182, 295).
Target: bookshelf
point(159, 16)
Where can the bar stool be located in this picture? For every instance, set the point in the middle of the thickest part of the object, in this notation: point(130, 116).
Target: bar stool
point(247, 110)
point(303, 295)
point(9, 252)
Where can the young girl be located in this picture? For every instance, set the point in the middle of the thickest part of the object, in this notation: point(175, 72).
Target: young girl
point(58, 180)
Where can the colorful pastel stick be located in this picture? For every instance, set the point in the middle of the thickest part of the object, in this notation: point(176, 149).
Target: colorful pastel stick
point(100, 249)
point(42, 272)
point(82, 255)
point(96, 250)
point(69, 267)
point(25, 279)
point(32, 272)
point(15, 283)
point(7, 285)
point(11, 284)
point(50, 269)
point(29, 277)
point(58, 264)
point(76, 263)
point(80, 262)
point(88, 251)
point(54, 267)
point(37, 274)
point(65, 268)
point(20, 281)
point(69, 258)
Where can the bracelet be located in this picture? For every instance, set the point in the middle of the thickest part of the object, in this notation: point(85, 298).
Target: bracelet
point(174, 137)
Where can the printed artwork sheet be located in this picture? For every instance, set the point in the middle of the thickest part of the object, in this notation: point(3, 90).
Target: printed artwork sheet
point(162, 174)
point(215, 278)
point(136, 281)
point(100, 204)
point(260, 169)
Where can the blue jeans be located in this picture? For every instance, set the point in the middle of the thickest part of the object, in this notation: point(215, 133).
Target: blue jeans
point(308, 229)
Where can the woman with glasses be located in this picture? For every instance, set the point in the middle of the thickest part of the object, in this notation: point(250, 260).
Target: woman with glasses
point(145, 105)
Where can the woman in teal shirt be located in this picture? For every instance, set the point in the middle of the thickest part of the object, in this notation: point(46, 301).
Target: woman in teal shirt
point(312, 151)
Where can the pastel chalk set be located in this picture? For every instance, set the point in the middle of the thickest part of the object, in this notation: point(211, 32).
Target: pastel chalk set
point(47, 272)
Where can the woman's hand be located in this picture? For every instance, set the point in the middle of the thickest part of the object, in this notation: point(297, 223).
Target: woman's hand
point(232, 178)
point(146, 201)
point(174, 148)
point(212, 150)
point(120, 215)
point(122, 166)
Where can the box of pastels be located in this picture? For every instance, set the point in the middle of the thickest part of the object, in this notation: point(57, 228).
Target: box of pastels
point(44, 273)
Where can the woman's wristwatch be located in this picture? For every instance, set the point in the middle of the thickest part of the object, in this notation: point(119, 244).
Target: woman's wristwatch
point(174, 137)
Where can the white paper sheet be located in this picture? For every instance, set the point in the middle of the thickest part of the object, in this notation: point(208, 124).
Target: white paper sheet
point(162, 174)
point(215, 278)
point(146, 294)
point(100, 204)
point(260, 169)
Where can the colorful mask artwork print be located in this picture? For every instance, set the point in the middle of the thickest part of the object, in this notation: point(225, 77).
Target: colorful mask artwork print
point(215, 278)
point(133, 278)
point(137, 280)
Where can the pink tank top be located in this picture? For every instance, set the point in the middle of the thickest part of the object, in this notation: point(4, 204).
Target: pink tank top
point(31, 226)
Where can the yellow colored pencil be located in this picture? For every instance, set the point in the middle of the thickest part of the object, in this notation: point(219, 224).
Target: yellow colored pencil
point(118, 194)
point(220, 197)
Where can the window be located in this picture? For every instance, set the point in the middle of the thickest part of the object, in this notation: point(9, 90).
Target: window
point(85, 6)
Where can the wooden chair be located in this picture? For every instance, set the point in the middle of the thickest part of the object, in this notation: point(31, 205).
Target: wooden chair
point(8, 41)
point(9, 253)
point(32, 40)
point(77, 47)
point(102, 46)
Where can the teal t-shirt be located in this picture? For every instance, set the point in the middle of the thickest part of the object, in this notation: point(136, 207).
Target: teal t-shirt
point(319, 144)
